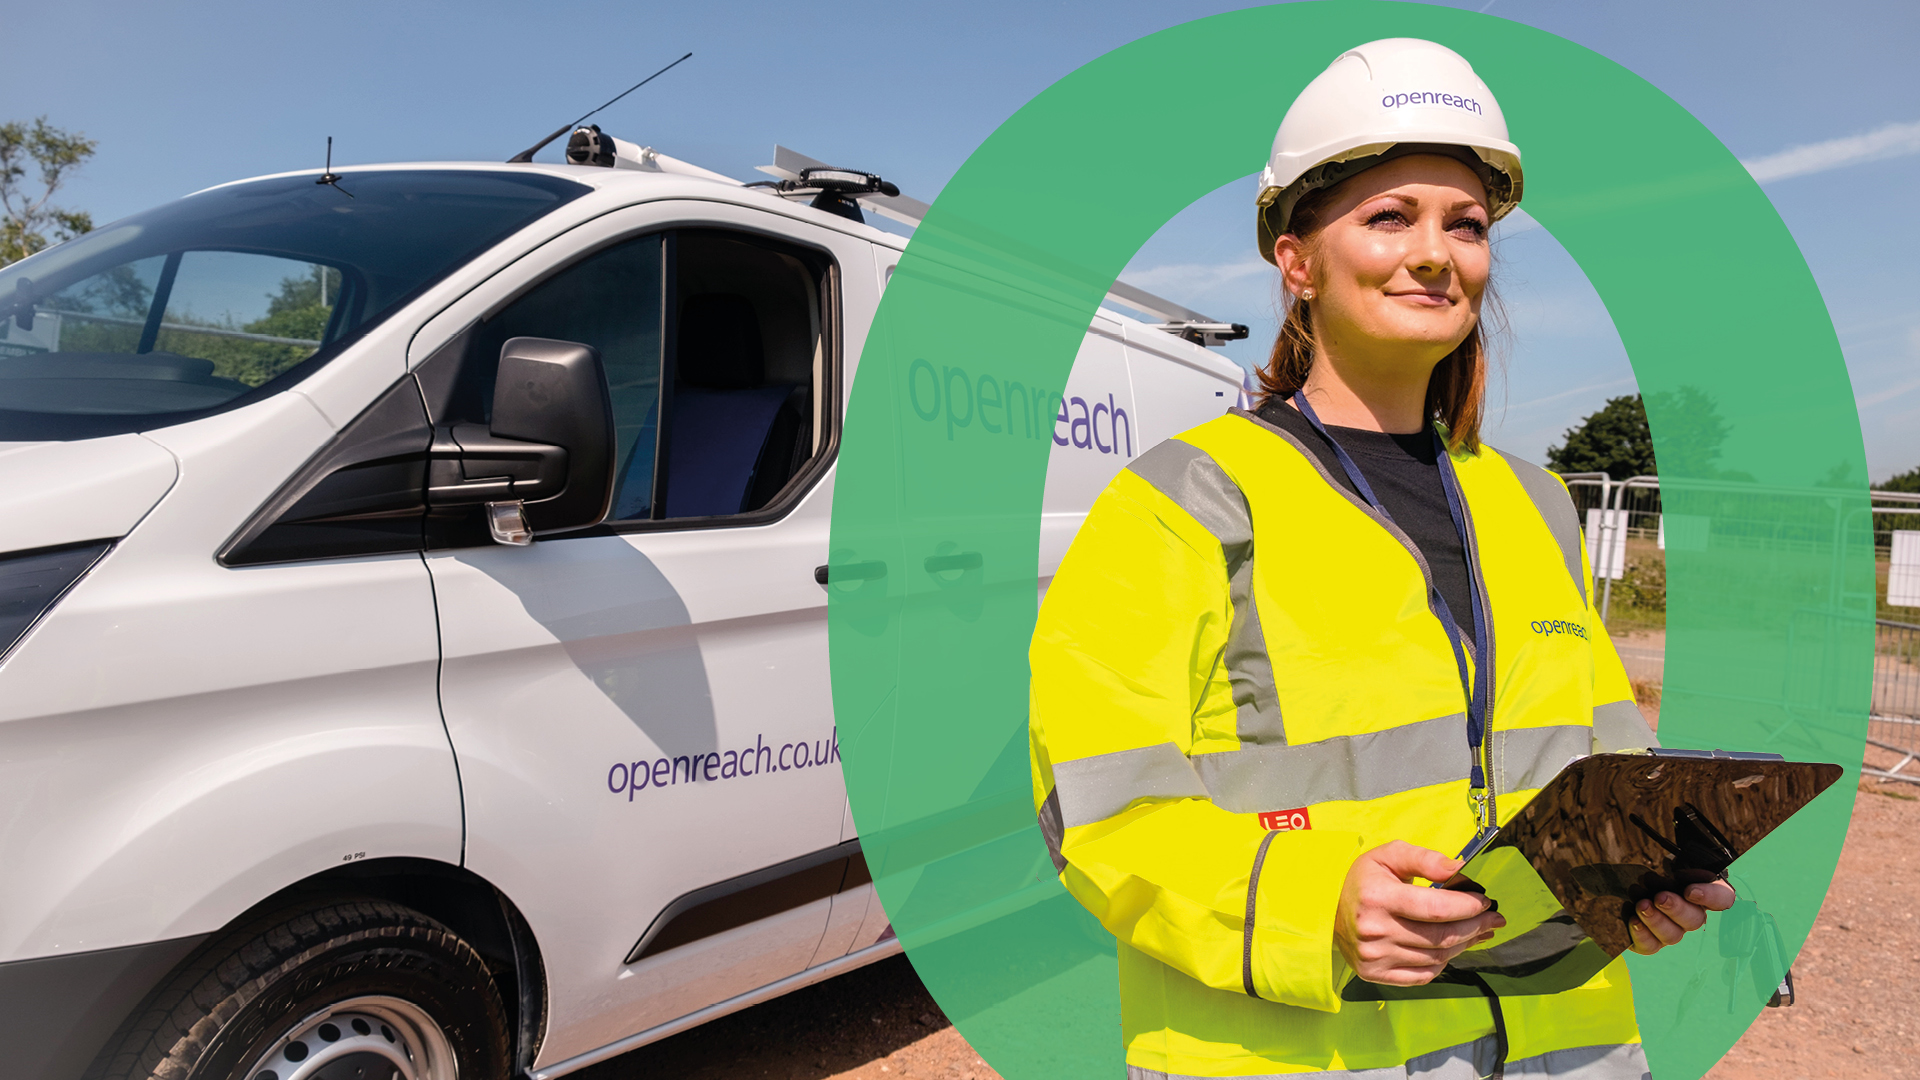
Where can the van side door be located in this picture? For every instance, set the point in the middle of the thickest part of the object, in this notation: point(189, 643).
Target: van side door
point(641, 711)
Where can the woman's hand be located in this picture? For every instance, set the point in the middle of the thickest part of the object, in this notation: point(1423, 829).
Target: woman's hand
point(1667, 918)
point(1401, 934)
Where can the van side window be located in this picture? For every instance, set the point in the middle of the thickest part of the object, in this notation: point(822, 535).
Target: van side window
point(610, 300)
point(715, 346)
point(747, 376)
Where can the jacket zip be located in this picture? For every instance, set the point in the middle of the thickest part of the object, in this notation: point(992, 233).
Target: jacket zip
point(1482, 819)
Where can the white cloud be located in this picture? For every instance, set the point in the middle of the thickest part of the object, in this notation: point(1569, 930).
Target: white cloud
point(1893, 140)
point(1889, 393)
point(1194, 279)
point(1884, 396)
point(1564, 394)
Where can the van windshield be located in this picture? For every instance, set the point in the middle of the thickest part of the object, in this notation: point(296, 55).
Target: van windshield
point(224, 297)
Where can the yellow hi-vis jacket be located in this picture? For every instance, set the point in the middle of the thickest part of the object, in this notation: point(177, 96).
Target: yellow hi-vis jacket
point(1238, 650)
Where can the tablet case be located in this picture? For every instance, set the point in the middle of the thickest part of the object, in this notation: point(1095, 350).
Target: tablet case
point(1609, 831)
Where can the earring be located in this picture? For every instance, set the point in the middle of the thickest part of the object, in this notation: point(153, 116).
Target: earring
point(1306, 294)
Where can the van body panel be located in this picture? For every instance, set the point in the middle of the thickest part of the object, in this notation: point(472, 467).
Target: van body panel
point(66, 492)
point(1187, 385)
point(579, 662)
point(258, 725)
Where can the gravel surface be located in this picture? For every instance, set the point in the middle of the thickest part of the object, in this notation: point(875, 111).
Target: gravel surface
point(1858, 978)
point(1858, 981)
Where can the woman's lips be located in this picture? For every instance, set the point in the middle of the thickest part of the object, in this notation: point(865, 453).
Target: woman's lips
point(1423, 298)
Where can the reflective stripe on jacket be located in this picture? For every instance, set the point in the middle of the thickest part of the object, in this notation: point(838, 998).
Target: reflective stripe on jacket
point(1220, 725)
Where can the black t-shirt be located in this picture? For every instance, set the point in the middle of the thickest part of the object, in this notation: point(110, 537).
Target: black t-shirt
point(1404, 472)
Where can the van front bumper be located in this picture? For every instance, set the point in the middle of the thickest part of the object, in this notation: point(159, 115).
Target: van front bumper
point(61, 1010)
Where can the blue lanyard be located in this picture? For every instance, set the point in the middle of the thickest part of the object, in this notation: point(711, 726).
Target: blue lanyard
point(1474, 684)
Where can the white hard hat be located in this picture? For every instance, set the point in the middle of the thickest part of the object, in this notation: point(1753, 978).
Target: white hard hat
point(1379, 101)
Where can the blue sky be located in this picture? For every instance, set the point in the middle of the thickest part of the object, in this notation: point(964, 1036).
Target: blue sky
point(1823, 99)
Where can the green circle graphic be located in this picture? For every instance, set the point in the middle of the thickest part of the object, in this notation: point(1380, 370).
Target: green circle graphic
point(936, 517)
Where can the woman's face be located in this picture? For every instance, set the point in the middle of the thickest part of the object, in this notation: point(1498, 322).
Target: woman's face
point(1397, 274)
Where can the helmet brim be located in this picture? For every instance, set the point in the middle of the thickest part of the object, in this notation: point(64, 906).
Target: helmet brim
point(1498, 169)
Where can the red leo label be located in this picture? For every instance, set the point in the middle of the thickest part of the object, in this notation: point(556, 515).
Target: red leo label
point(1286, 820)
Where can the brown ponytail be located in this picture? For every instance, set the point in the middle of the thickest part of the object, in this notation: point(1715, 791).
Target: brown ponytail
point(1457, 392)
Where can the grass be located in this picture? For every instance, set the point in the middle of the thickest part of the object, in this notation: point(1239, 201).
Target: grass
point(1639, 599)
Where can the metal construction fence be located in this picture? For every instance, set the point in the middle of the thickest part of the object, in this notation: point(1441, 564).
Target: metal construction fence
point(1620, 517)
point(1895, 723)
point(1629, 534)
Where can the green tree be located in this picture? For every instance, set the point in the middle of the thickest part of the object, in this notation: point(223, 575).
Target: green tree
point(1692, 433)
point(302, 307)
point(1906, 481)
point(1614, 441)
point(27, 214)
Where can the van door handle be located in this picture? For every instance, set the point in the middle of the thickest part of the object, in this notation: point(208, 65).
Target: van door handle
point(960, 560)
point(871, 570)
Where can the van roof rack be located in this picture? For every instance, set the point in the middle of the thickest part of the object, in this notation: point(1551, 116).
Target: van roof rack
point(847, 191)
point(1181, 321)
point(796, 173)
point(1204, 333)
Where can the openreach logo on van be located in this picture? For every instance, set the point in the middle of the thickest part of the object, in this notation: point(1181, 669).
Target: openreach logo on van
point(1432, 97)
point(953, 396)
point(761, 759)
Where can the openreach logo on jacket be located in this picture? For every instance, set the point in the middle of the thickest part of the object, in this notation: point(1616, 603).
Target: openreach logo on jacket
point(760, 759)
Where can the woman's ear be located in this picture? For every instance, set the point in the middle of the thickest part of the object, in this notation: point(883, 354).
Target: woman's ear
point(1290, 255)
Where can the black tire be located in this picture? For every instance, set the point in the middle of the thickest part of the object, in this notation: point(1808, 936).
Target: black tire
point(253, 993)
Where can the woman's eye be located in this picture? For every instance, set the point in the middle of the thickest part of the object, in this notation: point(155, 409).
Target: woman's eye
point(1472, 226)
point(1387, 217)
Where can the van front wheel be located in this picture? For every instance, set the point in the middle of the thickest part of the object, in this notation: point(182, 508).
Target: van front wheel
point(343, 991)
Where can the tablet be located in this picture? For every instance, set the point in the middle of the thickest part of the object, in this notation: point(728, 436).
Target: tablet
point(1609, 831)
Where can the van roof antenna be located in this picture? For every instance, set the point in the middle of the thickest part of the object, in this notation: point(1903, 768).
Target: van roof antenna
point(328, 176)
point(527, 154)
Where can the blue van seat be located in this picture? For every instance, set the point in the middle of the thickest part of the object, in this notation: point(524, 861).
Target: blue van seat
point(723, 412)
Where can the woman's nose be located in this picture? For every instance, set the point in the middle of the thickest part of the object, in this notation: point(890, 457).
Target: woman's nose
point(1429, 253)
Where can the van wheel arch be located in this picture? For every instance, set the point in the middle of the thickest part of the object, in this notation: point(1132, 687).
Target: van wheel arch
point(475, 909)
point(464, 902)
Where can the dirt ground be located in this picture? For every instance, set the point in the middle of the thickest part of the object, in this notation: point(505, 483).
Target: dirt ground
point(1858, 981)
point(1858, 978)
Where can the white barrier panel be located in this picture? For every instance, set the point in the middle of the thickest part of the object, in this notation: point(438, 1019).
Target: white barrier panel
point(1614, 564)
point(1903, 575)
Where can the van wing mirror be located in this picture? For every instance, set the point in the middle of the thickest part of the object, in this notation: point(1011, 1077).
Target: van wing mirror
point(545, 463)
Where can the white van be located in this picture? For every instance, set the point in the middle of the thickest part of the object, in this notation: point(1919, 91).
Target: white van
point(312, 765)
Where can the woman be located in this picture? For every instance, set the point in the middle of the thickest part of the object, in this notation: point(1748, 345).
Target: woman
point(1289, 662)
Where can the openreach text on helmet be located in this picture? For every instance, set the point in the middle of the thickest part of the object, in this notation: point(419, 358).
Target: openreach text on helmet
point(1431, 97)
